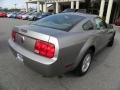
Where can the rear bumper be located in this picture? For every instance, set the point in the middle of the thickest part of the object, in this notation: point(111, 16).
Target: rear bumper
point(40, 64)
point(24, 18)
point(3, 16)
point(19, 17)
point(30, 18)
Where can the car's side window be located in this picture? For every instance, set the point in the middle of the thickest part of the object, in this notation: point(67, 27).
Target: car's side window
point(100, 24)
point(88, 26)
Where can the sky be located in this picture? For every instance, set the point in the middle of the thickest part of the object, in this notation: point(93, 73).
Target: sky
point(11, 4)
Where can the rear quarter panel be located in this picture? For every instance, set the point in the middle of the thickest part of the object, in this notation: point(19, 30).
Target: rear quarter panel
point(73, 47)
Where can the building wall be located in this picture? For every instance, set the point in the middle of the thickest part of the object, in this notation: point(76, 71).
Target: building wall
point(92, 6)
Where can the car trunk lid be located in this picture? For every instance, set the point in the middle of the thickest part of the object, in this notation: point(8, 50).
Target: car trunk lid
point(26, 36)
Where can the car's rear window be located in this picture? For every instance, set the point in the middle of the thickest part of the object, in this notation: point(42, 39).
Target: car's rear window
point(62, 22)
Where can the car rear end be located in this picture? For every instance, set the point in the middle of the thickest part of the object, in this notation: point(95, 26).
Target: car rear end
point(14, 15)
point(24, 17)
point(30, 17)
point(37, 50)
point(9, 15)
point(3, 14)
point(19, 16)
point(46, 46)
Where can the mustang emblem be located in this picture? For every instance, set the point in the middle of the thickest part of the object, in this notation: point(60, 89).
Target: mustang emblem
point(22, 39)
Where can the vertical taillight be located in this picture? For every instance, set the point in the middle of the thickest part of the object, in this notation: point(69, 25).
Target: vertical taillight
point(13, 35)
point(44, 48)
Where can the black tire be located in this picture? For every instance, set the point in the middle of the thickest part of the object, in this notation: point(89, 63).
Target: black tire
point(34, 19)
point(110, 44)
point(78, 71)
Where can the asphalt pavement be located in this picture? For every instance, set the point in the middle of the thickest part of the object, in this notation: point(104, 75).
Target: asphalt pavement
point(104, 73)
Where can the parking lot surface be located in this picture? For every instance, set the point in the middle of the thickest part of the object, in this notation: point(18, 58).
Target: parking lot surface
point(104, 73)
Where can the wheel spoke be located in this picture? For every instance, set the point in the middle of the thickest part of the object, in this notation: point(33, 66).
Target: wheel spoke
point(86, 63)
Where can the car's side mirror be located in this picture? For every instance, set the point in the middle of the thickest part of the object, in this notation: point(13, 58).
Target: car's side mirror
point(110, 26)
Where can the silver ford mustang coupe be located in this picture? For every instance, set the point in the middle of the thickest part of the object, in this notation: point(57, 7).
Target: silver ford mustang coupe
point(60, 43)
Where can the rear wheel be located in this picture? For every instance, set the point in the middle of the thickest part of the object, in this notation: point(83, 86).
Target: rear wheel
point(34, 19)
point(110, 44)
point(85, 63)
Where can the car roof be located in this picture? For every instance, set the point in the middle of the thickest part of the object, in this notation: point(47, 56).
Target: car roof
point(82, 14)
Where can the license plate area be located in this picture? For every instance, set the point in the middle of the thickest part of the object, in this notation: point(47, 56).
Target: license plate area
point(19, 57)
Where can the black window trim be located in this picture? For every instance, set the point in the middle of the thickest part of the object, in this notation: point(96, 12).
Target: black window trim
point(86, 23)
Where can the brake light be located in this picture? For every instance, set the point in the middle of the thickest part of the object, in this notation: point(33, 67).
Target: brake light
point(44, 48)
point(13, 35)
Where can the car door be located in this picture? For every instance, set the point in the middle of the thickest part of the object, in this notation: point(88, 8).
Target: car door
point(95, 34)
point(102, 32)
